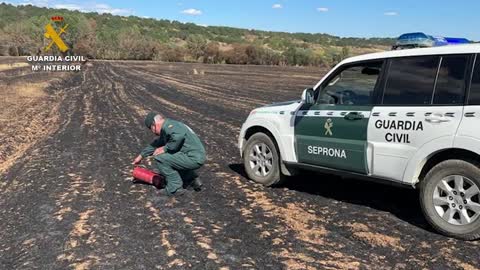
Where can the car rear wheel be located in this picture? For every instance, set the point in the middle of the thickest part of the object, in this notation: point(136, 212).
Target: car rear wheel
point(450, 199)
point(262, 160)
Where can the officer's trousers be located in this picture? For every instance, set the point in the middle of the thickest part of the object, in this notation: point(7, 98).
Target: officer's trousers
point(176, 167)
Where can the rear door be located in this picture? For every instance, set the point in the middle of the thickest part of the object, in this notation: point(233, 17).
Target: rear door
point(333, 132)
point(421, 111)
point(468, 136)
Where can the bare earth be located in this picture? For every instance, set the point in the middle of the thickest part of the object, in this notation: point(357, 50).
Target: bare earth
point(67, 202)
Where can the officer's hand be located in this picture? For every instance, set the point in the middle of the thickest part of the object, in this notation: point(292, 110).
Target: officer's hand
point(159, 151)
point(137, 160)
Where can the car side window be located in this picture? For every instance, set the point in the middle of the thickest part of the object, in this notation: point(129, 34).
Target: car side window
point(353, 85)
point(474, 98)
point(450, 85)
point(410, 80)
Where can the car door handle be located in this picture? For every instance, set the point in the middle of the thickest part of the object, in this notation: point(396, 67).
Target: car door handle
point(435, 119)
point(354, 116)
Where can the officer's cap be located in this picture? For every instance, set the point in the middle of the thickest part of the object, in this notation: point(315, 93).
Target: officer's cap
point(150, 119)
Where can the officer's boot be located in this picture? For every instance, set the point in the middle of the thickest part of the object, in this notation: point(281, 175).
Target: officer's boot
point(191, 180)
point(197, 184)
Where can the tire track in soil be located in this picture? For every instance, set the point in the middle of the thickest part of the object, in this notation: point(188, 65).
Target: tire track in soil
point(29, 216)
point(209, 94)
point(71, 247)
point(189, 97)
point(200, 241)
point(235, 90)
point(113, 238)
point(27, 100)
point(374, 239)
point(207, 255)
point(224, 74)
point(291, 262)
point(118, 110)
point(74, 249)
point(108, 223)
point(165, 97)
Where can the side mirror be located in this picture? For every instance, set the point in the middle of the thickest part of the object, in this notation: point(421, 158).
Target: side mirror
point(308, 96)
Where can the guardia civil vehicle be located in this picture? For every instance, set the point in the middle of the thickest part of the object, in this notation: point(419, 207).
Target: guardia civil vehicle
point(410, 117)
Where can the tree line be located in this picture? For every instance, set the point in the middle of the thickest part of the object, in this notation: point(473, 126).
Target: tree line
point(104, 36)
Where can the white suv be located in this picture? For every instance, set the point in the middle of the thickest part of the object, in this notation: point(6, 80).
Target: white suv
point(410, 117)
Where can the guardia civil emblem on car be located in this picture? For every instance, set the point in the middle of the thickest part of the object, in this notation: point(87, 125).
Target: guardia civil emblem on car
point(328, 127)
point(408, 116)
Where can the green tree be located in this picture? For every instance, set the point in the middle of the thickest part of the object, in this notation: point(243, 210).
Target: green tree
point(196, 45)
point(345, 52)
point(19, 38)
point(85, 43)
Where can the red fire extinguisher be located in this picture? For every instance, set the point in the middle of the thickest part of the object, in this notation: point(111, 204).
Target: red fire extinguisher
point(149, 177)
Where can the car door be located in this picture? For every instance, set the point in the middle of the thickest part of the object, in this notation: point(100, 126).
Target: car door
point(332, 132)
point(468, 136)
point(420, 113)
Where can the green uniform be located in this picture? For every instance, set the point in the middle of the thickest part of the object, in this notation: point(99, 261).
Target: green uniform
point(184, 153)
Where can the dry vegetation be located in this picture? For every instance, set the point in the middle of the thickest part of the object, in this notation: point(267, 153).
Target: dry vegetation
point(14, 65)
point(103, 36)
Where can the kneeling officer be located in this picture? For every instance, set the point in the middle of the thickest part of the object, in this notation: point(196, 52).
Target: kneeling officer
point(177, 152)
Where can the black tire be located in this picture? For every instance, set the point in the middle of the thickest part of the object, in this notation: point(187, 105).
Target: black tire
point(274, 176)
point(428, 186)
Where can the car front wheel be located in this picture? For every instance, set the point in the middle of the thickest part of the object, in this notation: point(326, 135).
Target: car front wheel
point(261, 160)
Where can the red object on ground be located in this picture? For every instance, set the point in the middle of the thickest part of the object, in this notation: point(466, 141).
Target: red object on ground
point(148, 177)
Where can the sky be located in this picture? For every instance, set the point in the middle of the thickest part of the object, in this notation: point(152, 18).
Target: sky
point(346, 18)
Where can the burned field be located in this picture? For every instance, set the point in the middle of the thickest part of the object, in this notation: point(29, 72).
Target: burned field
point(66, 199)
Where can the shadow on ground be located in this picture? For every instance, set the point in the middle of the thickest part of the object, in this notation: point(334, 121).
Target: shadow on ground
point(401, 202)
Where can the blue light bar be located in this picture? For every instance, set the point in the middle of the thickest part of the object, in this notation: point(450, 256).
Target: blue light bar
point(421, 40)
point(457, 40)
